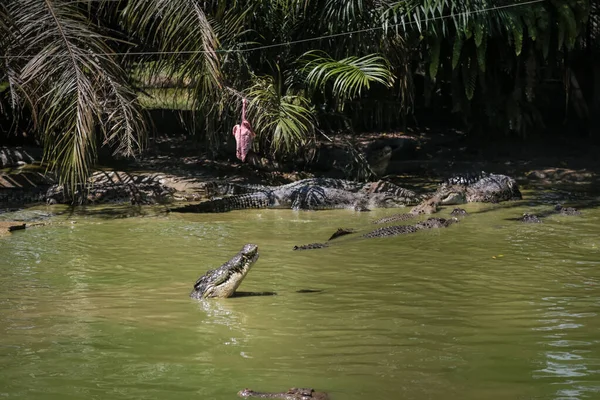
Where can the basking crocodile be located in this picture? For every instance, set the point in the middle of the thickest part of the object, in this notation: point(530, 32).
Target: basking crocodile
point(394, 230)
point(482, 188)
point(291, 394)
point(101, 187)
point(218, 189)
point(485, 188)
point(223, 281)
point(312, 194)
point(115, 187)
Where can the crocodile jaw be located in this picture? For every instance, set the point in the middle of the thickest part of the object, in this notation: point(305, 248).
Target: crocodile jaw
point(224, 281)
point(453, 198)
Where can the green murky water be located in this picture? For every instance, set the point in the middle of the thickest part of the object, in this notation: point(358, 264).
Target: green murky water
point(487, 309)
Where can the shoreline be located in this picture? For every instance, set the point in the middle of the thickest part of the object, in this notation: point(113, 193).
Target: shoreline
point(415, 159)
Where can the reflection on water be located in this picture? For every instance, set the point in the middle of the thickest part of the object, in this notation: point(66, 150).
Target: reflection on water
point(487, 309)
point(572, 361)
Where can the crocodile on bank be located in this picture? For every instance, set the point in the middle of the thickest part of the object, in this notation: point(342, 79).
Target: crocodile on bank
point(101, 187)
point(224, 281)
point(291, 394)
point(485, 188)
point(388, 231)
point(115, 187)
point(219, 189)
point(312, 194)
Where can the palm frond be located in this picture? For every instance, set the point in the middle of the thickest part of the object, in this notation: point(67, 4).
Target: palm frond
point(76, 88)
point(349, 76)
point(284, 121)
point(181, 30)
point(9, 94)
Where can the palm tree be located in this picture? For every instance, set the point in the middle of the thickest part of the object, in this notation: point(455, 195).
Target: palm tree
point(492, 54)
point(74, 65)
point(67, 68)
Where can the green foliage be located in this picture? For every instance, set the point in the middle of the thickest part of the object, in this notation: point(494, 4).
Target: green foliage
point(73, 86)
point(81, 92)
point(480, 34)
point(348, 76)
point(456, 49)
point(282, 120)
point(434, 57)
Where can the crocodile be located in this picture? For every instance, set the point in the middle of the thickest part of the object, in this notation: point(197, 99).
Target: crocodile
point(224, 281)
point(485, 188)
point(388, 231)
point(530, 219)
point(566, 210)
point(291, 394)
point(482, 188)
point(101, 187)
point(461, 212)
point(395, 230)
point(219, 189)
point(427, 206)
point(114, 187)
point(312, 194)
point(558, 209)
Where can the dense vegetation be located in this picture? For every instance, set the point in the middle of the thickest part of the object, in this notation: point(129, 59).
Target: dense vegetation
point(77, 69)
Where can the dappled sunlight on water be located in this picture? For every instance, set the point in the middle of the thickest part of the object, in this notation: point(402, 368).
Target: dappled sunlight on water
point(489, 308)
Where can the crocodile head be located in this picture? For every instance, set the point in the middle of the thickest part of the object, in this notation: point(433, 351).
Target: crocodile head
point(452, 194)
point(384, 194)
point(485, 188)
point(387, 200)
point(223, 281)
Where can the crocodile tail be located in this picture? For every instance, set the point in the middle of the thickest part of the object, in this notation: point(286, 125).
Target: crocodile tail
point(311, 246)
point(239, 202)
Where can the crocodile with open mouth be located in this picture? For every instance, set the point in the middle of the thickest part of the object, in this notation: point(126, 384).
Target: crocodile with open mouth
point(224, 281)
point(461, 189)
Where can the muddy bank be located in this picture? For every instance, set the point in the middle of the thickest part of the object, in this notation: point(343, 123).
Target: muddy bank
point(7, 227)
point(180, 167)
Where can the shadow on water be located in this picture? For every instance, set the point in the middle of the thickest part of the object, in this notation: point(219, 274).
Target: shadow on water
point(253, 294)
point(116, 211)
point(309, 291)
point(539, 201)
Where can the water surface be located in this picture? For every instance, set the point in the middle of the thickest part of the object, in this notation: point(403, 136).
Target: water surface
point(489, 308)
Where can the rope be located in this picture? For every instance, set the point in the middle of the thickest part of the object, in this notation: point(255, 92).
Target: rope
point(270, 46)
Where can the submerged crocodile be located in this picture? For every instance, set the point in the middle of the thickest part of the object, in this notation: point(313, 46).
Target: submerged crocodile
point(566, 210)
point(387, 231)
point(558, 209)
point(530, 219)
point(311, 194)
point(291, 394)
point(224, 281)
